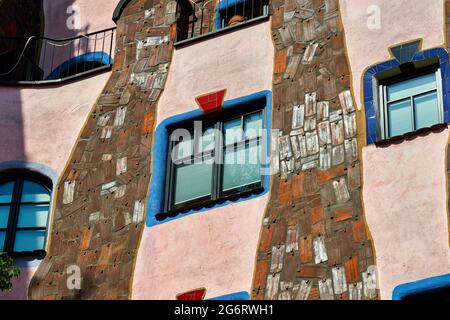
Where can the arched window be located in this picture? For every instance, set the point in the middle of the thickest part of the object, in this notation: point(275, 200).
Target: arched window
point(24, 213)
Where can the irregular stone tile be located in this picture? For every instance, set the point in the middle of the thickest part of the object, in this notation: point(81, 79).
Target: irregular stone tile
point(324, 132)
point(298, 117)
point(272, 285)
point(337, 132)
point(346, 102)
point(304, 290)
point(341, 190)
point(355, 291)
point(320, 252)
point(339, 280)
point(338, 155)
point(276, 264)
point(326, 290)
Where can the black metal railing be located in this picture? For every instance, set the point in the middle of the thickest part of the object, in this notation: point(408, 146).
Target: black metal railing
point(44, 59)
point(196, 18)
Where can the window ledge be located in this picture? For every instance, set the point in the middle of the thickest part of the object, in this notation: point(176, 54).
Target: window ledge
point(221, 31)
point(411, 135)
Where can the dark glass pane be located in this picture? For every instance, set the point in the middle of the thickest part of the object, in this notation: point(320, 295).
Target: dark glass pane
point(4, 214)
point(242, 166)
point(33, 192)
point(29, 240)
point(193, 181)
point(33, 216)
point(6, 191)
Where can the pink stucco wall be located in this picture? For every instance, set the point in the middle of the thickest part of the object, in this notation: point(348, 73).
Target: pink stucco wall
point(215, 249)
point(405, 202)
point(401, 21)
point(41, 123)
point(240, 61)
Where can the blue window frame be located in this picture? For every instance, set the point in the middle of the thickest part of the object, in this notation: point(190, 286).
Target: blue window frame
point(436, 288)
point(425, 108)
point(24, 213)
point(165, 204)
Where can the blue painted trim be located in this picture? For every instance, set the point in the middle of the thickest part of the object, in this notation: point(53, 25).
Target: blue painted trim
point(97, 56)
point(233, 296)
point(421, 286)
point(372, 122)
point(160, 152)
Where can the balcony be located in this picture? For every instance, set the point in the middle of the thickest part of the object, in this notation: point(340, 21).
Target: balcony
point(44, 60)
point(202, 18)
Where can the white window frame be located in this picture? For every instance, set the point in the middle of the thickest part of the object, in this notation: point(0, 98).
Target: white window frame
point(384, 125)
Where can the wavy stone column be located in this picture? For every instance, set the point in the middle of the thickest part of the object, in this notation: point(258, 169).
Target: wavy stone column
point(100, 200)
point(313, 241)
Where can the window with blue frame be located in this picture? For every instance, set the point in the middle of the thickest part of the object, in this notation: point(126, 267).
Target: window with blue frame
point(409, 103)
point(214, 160)
point(24, 213)
point(407, 93)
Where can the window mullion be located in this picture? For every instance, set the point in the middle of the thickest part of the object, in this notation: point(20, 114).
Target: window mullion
point(413, 113)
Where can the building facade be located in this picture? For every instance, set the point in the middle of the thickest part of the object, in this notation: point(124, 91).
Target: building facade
point(225, 149)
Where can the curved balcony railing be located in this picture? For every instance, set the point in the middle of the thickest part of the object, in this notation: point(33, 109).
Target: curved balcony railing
point(42, 59)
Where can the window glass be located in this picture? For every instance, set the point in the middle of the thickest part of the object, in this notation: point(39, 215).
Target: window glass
point(207, 140)
point(400, 118)
point(33, 216)
point(426, 110)
point(193, 181)
point(253, 125)
point(29, 240)
point(6, 191)
point(30, 216)
point(411, 87)
point(4, 214)
point(233, 131)
point(241, 166)
point(33, 192)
